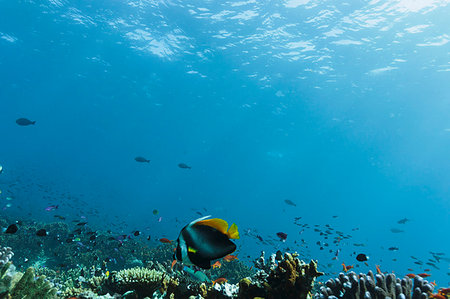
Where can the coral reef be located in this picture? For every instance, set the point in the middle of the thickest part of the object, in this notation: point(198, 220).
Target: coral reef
point(357, 286)
point(5, 255)
point(291, 278)
point(15, 284)
point(141, 280)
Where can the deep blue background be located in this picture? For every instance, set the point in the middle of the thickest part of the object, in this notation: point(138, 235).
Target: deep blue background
point(257, 125)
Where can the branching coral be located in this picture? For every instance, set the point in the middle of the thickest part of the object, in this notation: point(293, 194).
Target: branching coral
point(5, 255)
point(370, 286)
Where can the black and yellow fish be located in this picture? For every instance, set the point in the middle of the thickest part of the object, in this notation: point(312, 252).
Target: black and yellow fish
point(204, 240)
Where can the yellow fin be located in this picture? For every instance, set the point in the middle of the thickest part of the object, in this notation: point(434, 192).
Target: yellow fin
point(190, 249)
point(233, 232)
point(219, 224)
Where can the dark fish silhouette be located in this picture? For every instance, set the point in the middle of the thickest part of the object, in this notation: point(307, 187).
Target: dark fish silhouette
point(403, 221)
point(24, 122)
point(396, 230)
point(41, 233)
point(393, 248)
point(142, 160)
point(184, 166)
point(12, 229)
point(362, 257)
point(282, 236)
point(290, 202)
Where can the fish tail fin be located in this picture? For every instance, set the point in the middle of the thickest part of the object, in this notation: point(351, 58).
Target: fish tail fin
point(233, 232)
point(33, 122)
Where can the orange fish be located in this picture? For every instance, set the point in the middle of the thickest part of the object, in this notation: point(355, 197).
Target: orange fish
point(423, 275)
point(436, 296)
point(165, 240)
point(217, 264)
point(173, 263)
point(411, 275)
point(378, 269)
point(346, 268)
point(229, 258)
point(220, 280)
point(444, 291)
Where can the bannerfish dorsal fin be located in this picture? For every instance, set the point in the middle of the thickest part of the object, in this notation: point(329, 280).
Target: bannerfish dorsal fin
point(199, 219)
point(219, 224)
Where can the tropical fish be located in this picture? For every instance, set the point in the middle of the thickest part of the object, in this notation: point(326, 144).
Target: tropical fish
point(393, 248)
point(217, 264)
point(204, 240)
point(396, 230)
point(411, 275)
point(184, 166)
point(362, 257)
point(1, 170)
point(345, 268)
point(141, 160)
point(220, 280)
point(290, 202)
point(41, 233)
point(12, 229)
point(165, 240)
point(24, 122)
point(196, 274)
point(403, 221)
point(423, 275)
point(230, 258)
point(282, 236)
point(51, 208)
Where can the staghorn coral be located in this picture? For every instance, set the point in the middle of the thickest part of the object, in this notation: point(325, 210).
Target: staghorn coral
point(292, 278)
point(5, 255)
point(370, 286)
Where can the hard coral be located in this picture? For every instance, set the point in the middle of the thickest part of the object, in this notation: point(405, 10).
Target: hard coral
point(142, 280)
point(292, 278)
point(5, 255)
point(370, 286)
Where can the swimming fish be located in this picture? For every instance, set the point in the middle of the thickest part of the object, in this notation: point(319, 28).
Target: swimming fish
point(1, 169)
point(230, 258)
point(12, 229)
point(290, 202)
point(403, 221)
point(282, 236)
point(362, 257)
point(41, 233)
point(345, 268)
point(393, 248)
point(184, 166)
point(142, 160)
point(24, 122)
point(204, 240)
point(396, 230)
point(165, 240)
point(51, 208)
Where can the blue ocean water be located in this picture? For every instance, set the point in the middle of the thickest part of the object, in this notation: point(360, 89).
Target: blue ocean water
point(341, 108)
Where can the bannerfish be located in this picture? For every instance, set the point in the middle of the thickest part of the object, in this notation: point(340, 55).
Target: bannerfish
point(24, 122)
point(204, 240)
point(184, 166)
point(142, 160)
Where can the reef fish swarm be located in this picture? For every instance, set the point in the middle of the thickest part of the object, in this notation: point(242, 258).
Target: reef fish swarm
point(379, 286)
